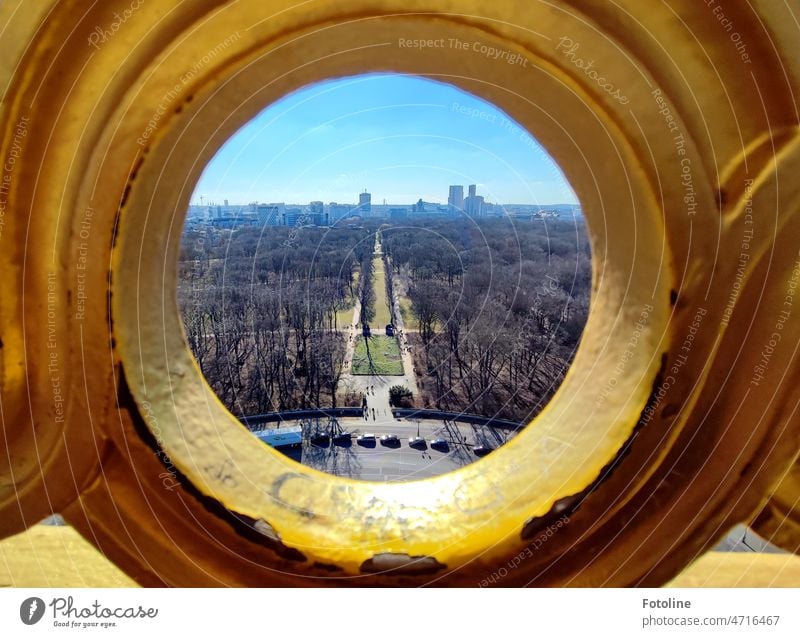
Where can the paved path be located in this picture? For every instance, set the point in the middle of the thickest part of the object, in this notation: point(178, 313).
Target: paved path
point(405, 349)
point(351, 332)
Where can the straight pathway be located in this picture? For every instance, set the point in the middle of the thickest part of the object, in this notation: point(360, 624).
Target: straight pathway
point(376, 388)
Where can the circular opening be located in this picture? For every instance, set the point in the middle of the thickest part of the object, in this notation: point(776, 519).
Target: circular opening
point(410, 331)
point(485, 508)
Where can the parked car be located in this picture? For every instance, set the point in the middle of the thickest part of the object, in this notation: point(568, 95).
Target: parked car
point(320, 439)
point(366, 439)
point(390, 440)
point(342, 438)
point(440, 444)
point(417, 441)
point(482, 450)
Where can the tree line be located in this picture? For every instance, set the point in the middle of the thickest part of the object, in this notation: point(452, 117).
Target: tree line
point(262, 309)
point(500, 306)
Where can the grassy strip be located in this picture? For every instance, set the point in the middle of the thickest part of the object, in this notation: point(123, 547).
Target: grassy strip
point(409, 320)
point(383, 314)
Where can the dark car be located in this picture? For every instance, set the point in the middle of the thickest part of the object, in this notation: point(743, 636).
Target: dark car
point(390, 440)
point(320, 439)
point(418, 442)
point(342, 438)
point(366, 440)
point(440, 444)
point(482, 450)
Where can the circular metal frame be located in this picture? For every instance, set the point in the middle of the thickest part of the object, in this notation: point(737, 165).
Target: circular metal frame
point(661, 418)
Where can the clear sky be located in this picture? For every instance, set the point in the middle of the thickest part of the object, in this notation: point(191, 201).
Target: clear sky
point(402, 138)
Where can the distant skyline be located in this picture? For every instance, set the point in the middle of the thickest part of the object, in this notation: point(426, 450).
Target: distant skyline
point(401, 138)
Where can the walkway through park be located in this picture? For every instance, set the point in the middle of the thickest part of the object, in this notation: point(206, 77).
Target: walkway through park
point(376, 387)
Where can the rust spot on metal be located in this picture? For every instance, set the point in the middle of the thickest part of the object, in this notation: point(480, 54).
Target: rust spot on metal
point(401, 564)
point(564, 506)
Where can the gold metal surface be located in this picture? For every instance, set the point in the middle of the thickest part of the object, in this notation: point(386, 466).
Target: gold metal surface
point(57, 556)
point(669, 427)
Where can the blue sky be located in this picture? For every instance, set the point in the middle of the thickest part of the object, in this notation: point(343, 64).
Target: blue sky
point(400, 137)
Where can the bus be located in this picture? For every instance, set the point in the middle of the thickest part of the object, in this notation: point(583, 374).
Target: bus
point(282, 438)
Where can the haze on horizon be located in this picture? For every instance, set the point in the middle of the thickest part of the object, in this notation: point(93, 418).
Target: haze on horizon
point(402, 138)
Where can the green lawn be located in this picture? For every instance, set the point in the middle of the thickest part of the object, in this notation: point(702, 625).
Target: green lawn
point(408, 316)
point(386, 358)
point(383, 315)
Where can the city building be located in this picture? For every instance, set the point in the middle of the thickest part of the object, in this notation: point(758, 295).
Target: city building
point(365, 204)
point(316, 214)
point(293, 217)
point(455, 200)
point(473, 205)
point(269, 214)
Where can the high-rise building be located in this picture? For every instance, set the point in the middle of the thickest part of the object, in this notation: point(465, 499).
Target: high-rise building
point(365, 204)
point(473, 205)
point(455, 201)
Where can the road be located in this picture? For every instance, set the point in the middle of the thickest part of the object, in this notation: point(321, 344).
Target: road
point(380, 463)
